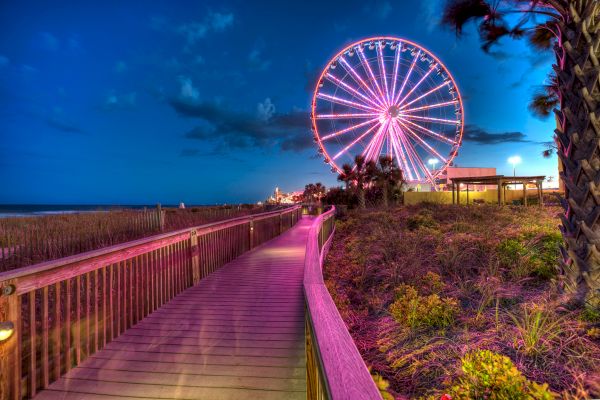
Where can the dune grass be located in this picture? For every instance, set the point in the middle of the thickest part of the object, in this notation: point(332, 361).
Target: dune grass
point(426, 289)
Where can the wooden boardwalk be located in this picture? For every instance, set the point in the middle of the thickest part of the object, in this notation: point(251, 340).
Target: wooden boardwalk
point(239, 334)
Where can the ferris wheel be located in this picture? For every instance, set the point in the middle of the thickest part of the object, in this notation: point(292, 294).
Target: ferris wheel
point(388, 96)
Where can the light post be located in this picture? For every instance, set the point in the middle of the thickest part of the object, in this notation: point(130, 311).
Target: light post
point(514, 160)
point(433, 162)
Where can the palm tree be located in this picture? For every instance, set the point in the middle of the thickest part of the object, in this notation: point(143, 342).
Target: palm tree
point(363, 174)
point(346, 175)
point(571, 28)
point(387, 175)
point(319, 191)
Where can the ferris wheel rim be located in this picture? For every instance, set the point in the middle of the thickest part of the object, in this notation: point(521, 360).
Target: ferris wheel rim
point(377, 39)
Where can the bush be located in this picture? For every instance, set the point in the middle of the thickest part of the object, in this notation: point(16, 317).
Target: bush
point(488, 375)
point(538, 258)
point(422, 220)
point(414, 311)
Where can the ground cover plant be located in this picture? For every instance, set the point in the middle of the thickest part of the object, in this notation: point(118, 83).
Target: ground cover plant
point(464, 302)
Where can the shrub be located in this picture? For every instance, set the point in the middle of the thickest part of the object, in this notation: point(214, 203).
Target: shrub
point(382, 385)
point(414, 311)
point(424, 219)
point(488, 375)
point(538, 258)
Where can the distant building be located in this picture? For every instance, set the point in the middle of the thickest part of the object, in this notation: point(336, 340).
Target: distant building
point(466, 172)
point(279, 197)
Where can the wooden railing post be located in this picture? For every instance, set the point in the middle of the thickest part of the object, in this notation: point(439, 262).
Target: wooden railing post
point(10, 357)
point(195, 255)
point(280, 223)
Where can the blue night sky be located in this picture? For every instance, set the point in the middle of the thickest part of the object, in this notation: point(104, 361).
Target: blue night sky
point(146, 102)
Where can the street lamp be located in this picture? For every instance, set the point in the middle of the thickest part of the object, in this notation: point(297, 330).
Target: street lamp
point(514, 160)
point(433, 162)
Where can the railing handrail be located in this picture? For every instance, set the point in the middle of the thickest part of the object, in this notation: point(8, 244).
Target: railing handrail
point(343, 369)
point(95, 256)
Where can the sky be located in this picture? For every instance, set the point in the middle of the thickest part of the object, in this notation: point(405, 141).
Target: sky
point(146, 102)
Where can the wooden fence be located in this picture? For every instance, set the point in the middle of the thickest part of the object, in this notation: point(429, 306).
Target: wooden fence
point(63, 311)
point(334, 367)
point(29, 240)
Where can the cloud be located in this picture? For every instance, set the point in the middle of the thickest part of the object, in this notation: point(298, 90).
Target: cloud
point(219, 21)
point(4, 61)
point(49, 41)
point(62, 125)
point(213, 22)
point(431, 11)
point(230, 129)
point(114, 101)
point(120, 66)
point(187, 90)
point(265, 110)
point(257, 62)
point(478, 135)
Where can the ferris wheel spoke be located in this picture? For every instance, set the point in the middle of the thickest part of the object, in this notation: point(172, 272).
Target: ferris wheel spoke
point(350, 89)
point(345, 116)
point(359, 81)
point(345, 102)
point(372, 143)
point(430, 132)
point(402, 142)
point(367, 68)
point(350, 128)
point(416, 86)
point(400, 153)
point(376, 151)
point(403, 106)
point(412, 66)
point(423, 143)
point(430, 119)
point(358, 139)
point(412, 150)
point(430, 106)
point(382, 71)
point(395, 70)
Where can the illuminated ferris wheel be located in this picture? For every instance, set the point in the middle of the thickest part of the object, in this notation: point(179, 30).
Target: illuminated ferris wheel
point(388, 96)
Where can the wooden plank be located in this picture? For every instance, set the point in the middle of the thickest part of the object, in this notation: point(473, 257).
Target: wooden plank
point(173, 391)
point(45, 339)
point(56, 350)
point(67, 326)
point(32, 372)
point(77, 322)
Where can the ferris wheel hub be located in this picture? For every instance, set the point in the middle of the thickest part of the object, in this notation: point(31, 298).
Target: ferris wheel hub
point(393, 111)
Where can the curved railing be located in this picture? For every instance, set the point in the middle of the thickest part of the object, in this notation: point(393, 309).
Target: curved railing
point(335, 368)
point(55, 314)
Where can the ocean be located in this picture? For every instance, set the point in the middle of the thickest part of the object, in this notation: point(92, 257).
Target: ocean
point(29, 210)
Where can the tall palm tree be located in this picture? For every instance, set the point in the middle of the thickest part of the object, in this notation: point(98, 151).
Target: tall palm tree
point(571, 29)
point(363, 174)
point(387, 176)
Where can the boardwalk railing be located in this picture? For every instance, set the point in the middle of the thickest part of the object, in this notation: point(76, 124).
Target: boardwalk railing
point(62, 311)
point(334, 367)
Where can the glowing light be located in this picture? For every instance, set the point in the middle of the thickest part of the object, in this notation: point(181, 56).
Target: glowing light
point(359, 80)
point(349, 129)
point(345, 102)
point(514, 160)
point(345, 149)
point(6, 330)
point(350, 89)
point(345, 116)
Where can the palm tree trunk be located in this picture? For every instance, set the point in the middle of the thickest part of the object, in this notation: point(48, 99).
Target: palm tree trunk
point(578, 140)
point(362, 202)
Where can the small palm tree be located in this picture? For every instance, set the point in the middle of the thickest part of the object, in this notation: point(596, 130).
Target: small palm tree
point(388, 175)
point(571, 29)
point(319, 191)
point(363, 174)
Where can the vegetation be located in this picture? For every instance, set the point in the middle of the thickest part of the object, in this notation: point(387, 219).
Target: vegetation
point(29, 240)
point(462, 301)
point(367, 181)
point(571, 29)
point(314, 192)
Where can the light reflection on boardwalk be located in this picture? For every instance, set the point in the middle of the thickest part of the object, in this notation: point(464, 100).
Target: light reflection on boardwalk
point(239, 334)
